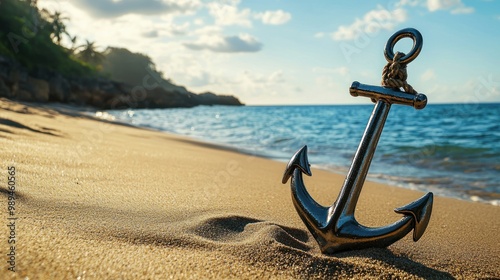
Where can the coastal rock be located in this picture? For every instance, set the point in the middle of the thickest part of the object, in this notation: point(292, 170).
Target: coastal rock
point(59, 89)
point(4, 67)
point(45, 85)
point(23, 90)
point(13, 79)
point(79, 95)
point(209, 98)
point(4, 90)
point(160, 98)
point(40, 89)
point(24, 95)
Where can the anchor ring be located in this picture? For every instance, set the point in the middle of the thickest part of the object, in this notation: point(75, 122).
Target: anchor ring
point(408, 33)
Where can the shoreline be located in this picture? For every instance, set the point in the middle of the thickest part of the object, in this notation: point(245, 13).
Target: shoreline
point(489, 198)
point(151, 204)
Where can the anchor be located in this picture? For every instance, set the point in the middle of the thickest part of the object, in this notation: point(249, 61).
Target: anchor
point(335, 228)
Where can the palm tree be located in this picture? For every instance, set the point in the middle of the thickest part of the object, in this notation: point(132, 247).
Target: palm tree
point(73, 47)
point(90, 54)
point(57, 26)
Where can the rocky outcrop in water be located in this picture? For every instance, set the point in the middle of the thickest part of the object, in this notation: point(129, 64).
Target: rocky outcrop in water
point(42, 85)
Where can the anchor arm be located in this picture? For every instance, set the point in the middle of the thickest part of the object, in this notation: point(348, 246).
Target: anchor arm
point(312, 214)
point(420, 210)
point(351, 235)
point(309, 210)
point(348, 234)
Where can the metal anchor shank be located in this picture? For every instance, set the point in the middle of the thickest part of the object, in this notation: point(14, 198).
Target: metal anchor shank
point(335, 228)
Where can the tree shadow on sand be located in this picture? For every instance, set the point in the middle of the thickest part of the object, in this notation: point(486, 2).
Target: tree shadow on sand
point(5, 192)
point(14, 124)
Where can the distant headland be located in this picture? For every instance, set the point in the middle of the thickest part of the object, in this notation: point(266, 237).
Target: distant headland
point(35, 67)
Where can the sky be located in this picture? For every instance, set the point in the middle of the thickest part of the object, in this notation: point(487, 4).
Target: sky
point(270, 52)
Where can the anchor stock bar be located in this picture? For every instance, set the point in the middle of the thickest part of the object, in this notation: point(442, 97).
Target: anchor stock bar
point(417, 101)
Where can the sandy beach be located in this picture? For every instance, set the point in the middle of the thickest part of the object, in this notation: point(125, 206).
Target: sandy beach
point(97, 200)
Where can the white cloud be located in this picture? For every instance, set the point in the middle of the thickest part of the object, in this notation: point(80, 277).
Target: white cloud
point(199, 21)
point(197, 78)
point(277, 77)
point(332, 82)
point(372, 22)
point(428, 75)
point(274, 17)
point(344, 71)
point(177, 29)
point(113, 8)
point(411, 3)
point(434, 5)
point(255, 86)
point(150, 34)
point(327, 82)
point(338, 71)
point(455, 6)
point(383, 18)
point(251, 86)
point(252, 79)
point(228, 44)
point(184, 68)
point(187, 70)
point(229, 14)
point(208, 30)
point(477, 90)
point(462, 10)
point(319, 35)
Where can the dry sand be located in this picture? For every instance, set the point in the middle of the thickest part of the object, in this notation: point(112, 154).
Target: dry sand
point(104, 201)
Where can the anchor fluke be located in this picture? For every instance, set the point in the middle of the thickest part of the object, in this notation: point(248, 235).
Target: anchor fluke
point(299, 160)
point(420, 210)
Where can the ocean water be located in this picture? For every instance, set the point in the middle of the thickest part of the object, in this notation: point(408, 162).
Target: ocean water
point(451, 150)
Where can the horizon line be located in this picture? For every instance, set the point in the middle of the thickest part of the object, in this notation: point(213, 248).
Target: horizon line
point(366, 104)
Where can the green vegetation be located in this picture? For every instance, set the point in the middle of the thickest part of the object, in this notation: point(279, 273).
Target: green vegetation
point(33, 38)
point(57, 26)
point(125, 66)
point(89, 54)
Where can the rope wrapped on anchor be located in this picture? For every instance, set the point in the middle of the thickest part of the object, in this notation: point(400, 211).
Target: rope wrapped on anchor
point(394, 75)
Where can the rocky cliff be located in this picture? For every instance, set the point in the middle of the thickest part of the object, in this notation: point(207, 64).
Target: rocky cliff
point(42, 85)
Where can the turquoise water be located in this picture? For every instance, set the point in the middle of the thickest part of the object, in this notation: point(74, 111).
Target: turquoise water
point(451, 150)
